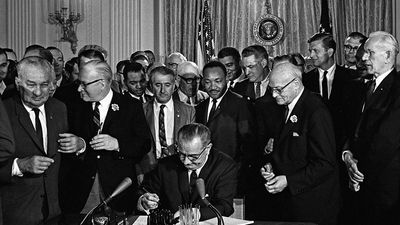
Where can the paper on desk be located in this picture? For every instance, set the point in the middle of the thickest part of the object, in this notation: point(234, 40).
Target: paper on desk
point(141, 220)
point(227, 220)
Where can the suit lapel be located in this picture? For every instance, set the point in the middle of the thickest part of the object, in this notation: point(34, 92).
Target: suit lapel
point(149, 111)
point(221, 105)
point(381, 92)
point(51, 130)
point(26, 123)
point(177, 118)
point(293, 118)
point(111, 112)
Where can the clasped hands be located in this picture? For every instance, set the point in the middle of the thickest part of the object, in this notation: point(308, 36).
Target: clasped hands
point(274, 184)
point(351, 163)
point(70, 143)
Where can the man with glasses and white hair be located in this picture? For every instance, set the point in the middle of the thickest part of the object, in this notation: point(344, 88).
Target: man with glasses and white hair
point(173, 182)
point(189, 82)
point(116, 137)
point(372, 152)
point(305, 174)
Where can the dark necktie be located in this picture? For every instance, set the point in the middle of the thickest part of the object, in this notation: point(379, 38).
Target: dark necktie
point(188, 101)
point(325, 86)
point(192, 182)
point(141, 98)
point(161, 132)
point(213, 108)
point(258, 89)
point(371, 86)
point(286, 114)
point(38, 125)
point(96, 118)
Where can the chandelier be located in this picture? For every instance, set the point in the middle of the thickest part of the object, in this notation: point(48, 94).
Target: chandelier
point(68, 20)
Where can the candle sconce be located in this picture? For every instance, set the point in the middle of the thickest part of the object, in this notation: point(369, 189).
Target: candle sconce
point(68, 24)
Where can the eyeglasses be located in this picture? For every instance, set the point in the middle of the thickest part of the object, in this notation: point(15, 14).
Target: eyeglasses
point(280, 90)
point(350, 48)
point(87, 84)
point(190, 80)
point(191, 157)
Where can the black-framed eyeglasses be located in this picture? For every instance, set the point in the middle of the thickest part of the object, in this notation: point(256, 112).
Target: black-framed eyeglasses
point(191, 157)
point(350, 48)
point(280, 90)
point(190, 80)
point(85, 85)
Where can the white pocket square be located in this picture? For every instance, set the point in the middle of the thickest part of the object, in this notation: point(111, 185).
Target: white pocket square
point(295, 134)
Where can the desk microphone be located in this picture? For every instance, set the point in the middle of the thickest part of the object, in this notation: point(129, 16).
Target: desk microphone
point(121, 187)
point(202, 192)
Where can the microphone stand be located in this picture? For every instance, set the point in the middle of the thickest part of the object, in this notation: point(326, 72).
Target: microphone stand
point(92, 210)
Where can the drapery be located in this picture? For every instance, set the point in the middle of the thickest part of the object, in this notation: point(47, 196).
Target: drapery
point(233, 22)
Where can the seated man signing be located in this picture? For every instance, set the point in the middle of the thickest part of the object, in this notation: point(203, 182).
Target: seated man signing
point(173, 181)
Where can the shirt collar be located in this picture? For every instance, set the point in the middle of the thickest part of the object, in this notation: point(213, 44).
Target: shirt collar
point(2, 87)
point(134, 96)
point(106, 101)
point(330, 71)
point(30, 109)
point(295, 100)
point(169, 104)
point(379, 79)
point(182, 95)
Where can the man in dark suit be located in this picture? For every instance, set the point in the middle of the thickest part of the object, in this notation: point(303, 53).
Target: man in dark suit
point(37, 120)
point(135, 81)
point(230, 57)
point(189, 82)
point(228, 117)
point(303, 156)
point(7, 149)
point(372, 154)
point(328, 79)
point(164, 123)
point(173, 182)
point(116, 136)
point(255, 64)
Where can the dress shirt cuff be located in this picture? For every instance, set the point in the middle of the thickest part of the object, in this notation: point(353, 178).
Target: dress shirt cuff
point(344, 154)
point(15, 171)
point(140, 206)
point(82, 150)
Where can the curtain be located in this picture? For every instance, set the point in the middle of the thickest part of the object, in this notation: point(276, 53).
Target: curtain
point(233, 22)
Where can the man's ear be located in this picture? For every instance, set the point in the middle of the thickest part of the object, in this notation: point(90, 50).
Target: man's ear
point(17, 82)
point(387, 57)
point(264, 63)
point(330, 52)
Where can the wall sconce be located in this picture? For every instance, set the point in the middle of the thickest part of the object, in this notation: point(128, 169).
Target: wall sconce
point(67, 21)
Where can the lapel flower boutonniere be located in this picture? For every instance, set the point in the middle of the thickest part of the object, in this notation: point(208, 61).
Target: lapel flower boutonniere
point(293, 119)
point(115, 107)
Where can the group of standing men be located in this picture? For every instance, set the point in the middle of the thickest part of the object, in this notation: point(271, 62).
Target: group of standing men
point(279, 136)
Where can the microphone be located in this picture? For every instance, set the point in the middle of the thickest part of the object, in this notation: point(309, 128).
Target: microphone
point(202, 192)
point(126, 182)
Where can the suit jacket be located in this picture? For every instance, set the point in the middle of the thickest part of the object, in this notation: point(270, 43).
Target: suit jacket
point(7, 149)
point(23, 198)
point(200, 96)
point(127, 124)
point(232, 126)
point(184, 114)
point(170, 181)
point(304, 152)
point(336, 102)
point(376, 143)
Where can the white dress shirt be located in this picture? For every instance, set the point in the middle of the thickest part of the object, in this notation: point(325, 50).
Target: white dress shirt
point(104, 106)
point(330, 76)
point(263, 86)
point(168, 123)
point(293, 104)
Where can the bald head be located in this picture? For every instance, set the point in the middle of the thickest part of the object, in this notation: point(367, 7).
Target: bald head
point(285, 83)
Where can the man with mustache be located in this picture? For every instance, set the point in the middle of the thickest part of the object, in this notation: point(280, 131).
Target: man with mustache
point(228, 117)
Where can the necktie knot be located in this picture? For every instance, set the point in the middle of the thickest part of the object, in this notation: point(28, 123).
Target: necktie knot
point(36, 111)
point(162, 107)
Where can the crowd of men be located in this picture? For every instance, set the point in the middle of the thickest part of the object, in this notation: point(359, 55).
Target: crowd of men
point(318, 145)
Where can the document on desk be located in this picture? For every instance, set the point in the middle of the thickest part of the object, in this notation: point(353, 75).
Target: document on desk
point(141, 220)
point(227, 220)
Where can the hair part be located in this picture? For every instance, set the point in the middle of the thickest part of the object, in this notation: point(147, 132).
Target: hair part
point(229, 51)
point(257, 50)
point(101, 67)
point(133, 67)
point(189, 132)
point(326, 39)
point(215, 64)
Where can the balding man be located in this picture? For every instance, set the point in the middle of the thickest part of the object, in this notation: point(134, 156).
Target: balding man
point(372, 156)
point(303, 156)
point(116, 135)
point(189, 82)
point(172, 62)
point(36, 120)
